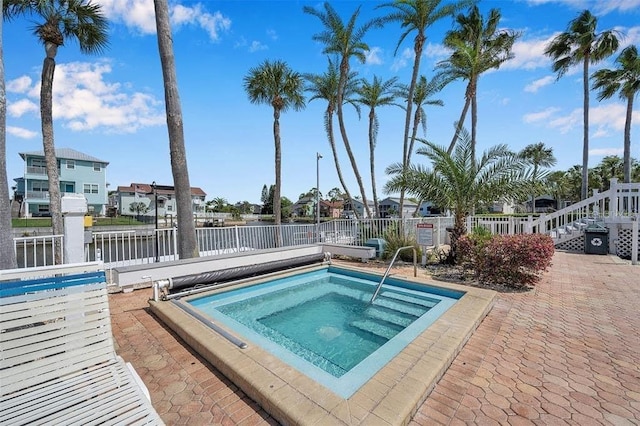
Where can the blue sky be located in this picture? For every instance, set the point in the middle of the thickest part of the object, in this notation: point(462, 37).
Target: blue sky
point(111, 106)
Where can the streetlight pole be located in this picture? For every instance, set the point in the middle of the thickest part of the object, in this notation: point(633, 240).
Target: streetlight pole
point(318, 157)
point(155, 201)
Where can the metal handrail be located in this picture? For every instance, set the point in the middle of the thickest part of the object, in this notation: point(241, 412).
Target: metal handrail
point(384, 277)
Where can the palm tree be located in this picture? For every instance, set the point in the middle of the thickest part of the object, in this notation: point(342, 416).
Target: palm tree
point(611, 166)
point(61, 20)
point(416, 16)
point(458, 182)
point(275, 84)
point(7, 254)
point(477, 46)
point(376, 94)
point(582, 44)
point(218, 204)
point(344, 40)
point(424, 90)
point(537, 155)
point(325, 86)
point(625, 80)
point(187, 242)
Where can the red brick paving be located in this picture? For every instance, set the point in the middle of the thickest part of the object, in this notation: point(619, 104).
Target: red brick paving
point(567, 352)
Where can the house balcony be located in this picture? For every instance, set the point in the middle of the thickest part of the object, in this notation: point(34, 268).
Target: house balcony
point(37, 196)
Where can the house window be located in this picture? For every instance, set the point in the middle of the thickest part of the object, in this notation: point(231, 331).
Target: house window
point(169, 208)
point(43, 208)
point(71, 164)
point(97, 167)
point(90, 188)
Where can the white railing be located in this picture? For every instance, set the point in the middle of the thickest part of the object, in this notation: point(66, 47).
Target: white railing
point(498, 224)
point(37, 250)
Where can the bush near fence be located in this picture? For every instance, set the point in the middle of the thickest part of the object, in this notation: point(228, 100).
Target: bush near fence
point(515, 261)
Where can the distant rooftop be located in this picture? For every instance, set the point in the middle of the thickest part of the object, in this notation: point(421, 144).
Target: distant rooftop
point(66, 153)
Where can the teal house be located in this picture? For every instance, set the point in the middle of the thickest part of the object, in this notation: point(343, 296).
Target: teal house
point(79, 173)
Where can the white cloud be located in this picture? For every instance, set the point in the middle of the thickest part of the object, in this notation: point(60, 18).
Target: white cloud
point(529, 54)
point(600, 7)
point(140, 16)
point(19, 132)
point(597, 152)
point(373, 56)
point(21, 107)
point(19, 85)
point(437, 51)
point(401, 61)
point(568, 122)
point(611, 116)
point(84, 100)
point(539, 116)
point(256, 46)
point(534, 86)
point(272, 34)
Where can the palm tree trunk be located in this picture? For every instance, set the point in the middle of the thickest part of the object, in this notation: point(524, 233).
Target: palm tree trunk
point(627, 141)
point(46, 106)
point(372, 163)
point(414, 133)
point(459, 125)
point(7, 254)
point(584, 193)
point(334, 151)
point(417, 49)
point(344, 71)
point(277, 205)
point(187, 244)
point(474, 123)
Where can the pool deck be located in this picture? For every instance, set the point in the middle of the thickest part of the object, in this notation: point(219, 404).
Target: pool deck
point(567, 352)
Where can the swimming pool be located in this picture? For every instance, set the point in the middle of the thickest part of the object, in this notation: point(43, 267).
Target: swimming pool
point(297, 394)
point(323, 324)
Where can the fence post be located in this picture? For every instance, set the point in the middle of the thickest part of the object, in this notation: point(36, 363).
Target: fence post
point(175, 244)
point(613, 188)
point(237, 232)
point(529, 229)
point(634, 240)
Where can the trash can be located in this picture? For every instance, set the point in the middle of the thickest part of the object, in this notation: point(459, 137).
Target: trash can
point(596, 240)
point(378, 243)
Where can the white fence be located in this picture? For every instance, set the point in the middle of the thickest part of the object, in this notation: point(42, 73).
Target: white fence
point(37, 250)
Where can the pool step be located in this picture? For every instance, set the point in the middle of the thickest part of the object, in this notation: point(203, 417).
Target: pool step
point(427, 303)
point(384, 330)
point(399, 305)
point(379, 313)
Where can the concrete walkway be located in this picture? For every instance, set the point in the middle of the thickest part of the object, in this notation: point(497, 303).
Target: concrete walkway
point(567, 352)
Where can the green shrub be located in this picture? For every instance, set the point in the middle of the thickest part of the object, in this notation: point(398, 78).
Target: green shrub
point(512, 260)
point(395, 238)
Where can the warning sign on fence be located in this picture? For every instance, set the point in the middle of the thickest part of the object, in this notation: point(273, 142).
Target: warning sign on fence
point(424, 234)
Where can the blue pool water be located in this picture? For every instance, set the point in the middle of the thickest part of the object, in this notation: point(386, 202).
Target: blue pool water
point(322, 323)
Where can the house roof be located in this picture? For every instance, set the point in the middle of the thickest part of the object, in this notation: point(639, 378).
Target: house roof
point(332, 204)
point(397, 201)
point(146, 188)
point(66, 153)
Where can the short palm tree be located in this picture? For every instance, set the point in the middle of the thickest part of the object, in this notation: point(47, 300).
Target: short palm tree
point(325, 86)
point(7, 254)
point(187, 241)
point(375, 94)
point(60, 22)
point(624, 80)
point(346, 41)
point(478, 46)
point(581, 44)
point(458, 182)
point(537, 155)
point(274, 83)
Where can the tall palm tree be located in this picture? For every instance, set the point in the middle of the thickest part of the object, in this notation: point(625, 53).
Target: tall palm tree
point(581, 44)
point(346, 41)
point(537, 155)
point(458, 182)
point(60, 21)
point(275, 84)
point(376, 94)
point(624, 80)
point(7, 254)
point(325, 86)
point(187, 242)
point(611, 166)
point(416, 16)
point(422, 95)
point(478, 46)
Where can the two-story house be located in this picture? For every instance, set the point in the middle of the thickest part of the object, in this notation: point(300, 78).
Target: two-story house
point(143, 193)
point(390, 207)
point(78, 172)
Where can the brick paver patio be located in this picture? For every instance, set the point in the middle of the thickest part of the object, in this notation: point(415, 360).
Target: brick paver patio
point(567, 352)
